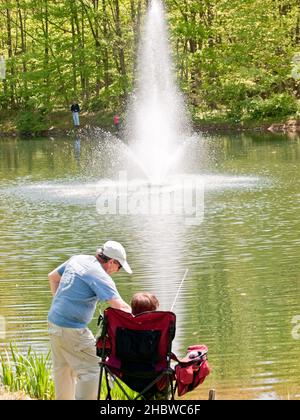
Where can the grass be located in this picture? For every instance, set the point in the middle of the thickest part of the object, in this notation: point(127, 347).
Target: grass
point(60, 120)
point(116, 392)
point(30, 374)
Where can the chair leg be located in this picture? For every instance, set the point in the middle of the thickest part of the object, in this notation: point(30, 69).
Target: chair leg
point(172, 389)
point(100, 382)
point(108, 396)
point(212, 394)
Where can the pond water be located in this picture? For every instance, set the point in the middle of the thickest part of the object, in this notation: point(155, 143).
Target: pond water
point(242, 291)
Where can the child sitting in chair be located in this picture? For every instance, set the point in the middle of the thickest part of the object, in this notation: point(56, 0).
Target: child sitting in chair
point(143, 302)
point(147, 302)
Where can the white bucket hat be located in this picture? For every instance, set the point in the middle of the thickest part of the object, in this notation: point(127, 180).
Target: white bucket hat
point(115, 250)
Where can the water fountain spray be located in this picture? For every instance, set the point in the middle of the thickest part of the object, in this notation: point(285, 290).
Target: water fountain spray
point(157, 119)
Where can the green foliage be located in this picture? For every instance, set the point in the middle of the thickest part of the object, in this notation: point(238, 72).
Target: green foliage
point(233, 58)
point(30, 373)
point(95, 104)
point(116, 392)
point(276, 106)
point(31, 122)
point(240, 64)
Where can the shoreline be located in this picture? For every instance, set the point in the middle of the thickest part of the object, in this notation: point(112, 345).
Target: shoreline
point(199, 394)
point(5, 394)
point(291, 126)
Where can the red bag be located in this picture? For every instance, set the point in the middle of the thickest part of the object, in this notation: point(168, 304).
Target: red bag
point(192, 370)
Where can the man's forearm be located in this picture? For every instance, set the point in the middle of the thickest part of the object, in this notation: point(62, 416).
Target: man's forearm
point(120, 304)
point(125, 307)
point(54, 279)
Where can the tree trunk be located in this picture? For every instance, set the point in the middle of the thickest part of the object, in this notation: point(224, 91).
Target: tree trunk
point(23, 48)
point(10, 55)
point(74, 73)
point(86, 93)
point(97, 46)
point(120, 40)
point(80, 45)
point(105, 58)
point(297, 30)
point(46, 52)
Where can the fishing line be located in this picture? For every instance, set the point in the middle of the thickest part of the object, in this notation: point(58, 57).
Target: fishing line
point(185, 274)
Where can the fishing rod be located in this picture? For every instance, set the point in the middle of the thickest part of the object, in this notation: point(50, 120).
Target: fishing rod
point(178, 290)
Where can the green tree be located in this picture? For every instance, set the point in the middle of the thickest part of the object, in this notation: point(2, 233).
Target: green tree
point(234, 59)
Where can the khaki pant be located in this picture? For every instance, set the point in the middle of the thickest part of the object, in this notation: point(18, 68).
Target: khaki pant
point(75, 364)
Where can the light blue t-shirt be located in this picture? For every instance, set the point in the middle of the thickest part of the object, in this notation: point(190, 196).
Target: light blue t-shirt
point(82, 285)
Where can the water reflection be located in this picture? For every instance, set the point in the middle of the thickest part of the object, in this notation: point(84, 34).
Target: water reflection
point(242, 288)
point(77, 150)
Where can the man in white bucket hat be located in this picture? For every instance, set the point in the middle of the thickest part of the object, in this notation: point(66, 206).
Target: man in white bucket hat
point(77, 285)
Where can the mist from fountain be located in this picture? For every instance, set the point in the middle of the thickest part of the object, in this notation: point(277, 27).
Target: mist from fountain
point(156, 122)
point(154, 153)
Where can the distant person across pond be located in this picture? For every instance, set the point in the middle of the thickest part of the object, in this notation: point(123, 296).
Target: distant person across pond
point(75, 109)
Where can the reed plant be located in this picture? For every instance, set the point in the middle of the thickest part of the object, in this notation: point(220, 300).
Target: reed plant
point(30, 373)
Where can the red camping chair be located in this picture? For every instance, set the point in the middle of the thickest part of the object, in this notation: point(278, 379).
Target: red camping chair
point(137, 350)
